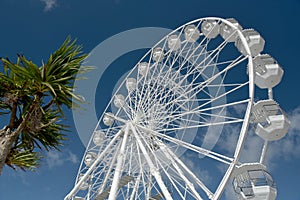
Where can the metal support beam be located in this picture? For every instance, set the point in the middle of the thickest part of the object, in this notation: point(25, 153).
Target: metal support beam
point(264, 152)
point(93, 166)
point(153, 169)
point(167, 153)
point(114, 187)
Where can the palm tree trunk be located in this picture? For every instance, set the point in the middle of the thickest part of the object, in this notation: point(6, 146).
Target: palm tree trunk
point(7, 136)
point(6, 141)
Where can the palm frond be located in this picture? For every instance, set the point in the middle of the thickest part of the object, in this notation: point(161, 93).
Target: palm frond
point(59, 73)
point(34, 96)
point(26, 160)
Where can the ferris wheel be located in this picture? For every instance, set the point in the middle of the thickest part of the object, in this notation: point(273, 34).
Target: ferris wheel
point(165, 132)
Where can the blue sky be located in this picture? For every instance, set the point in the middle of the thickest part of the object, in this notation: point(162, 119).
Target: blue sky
point(36, 28)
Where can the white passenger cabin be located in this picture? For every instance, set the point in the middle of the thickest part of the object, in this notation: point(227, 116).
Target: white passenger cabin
point(251, 181)
point(270, 121)
point(268, 73)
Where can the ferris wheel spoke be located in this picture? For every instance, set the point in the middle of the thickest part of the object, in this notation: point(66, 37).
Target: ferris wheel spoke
point(182, 64)
point(232, 64)
point(201, 125)
point(153, 169)
point(179, 171)
point(175, 158)
point(93, 166)
point(174, 183)
point(197, 149)
point(205, 83)
point(220, 117)
point(135, 188)
point(199, 112)
point(108, 173)
point(224, 94)
point(117, 174)
point(143, 182)
point(245, 101)
point(199, 109)
point(127, 110)
point(210, 57)
point(217, 120)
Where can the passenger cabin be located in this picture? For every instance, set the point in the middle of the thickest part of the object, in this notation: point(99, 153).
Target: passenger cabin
point(271, 123)
point(252, 181)
point(268, 73)
point(254, 40)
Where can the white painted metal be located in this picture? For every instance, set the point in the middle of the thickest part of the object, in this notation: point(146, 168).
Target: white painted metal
point(84, 185)
point(210, 28)
point(107, 119)
point(188, 89)
point(90, 157)
point(158, 54)
point(98, 137)
point(227, 32)
point(251, 181)
point(264, 152)
point(143, 68)
point(118, 171)
point(270, 121)
point(174, 42)
point(78, 198)
point(191, 33)
point(153, 169)
point(268, 72)
point(119, 100)
point(254, 41)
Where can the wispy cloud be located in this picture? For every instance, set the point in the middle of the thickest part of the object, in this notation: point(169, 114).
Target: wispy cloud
point(49, 4)
point(56, 159)
point(287, 148)
point(72, 158)
point(192, 161)
point(23, 177)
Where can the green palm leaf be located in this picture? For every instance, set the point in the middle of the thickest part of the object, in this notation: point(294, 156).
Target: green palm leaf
point(39, 95)
point(24, 160)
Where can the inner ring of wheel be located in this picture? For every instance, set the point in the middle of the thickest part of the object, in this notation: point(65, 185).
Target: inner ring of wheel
point(144, 116)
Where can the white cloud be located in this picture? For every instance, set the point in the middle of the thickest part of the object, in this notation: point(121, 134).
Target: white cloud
point(287, 148)
point(49, 4)
point(21, 175)
point(56, 159)
point(252, 148)
point(192, 161)
point(73, 158)
point(53, 159)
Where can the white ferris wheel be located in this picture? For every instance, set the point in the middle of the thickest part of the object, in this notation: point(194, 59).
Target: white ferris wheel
point(168, 122)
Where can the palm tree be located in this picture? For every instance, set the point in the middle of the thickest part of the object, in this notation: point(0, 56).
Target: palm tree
point(33, 98)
